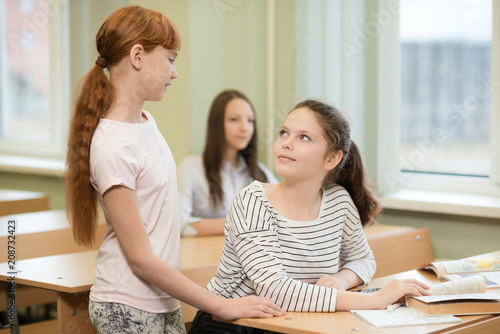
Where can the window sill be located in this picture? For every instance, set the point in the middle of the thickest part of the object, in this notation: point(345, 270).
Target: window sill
point(443, 203)
point(30, 165)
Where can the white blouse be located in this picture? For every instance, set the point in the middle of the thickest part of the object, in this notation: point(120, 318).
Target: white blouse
point(194, 194)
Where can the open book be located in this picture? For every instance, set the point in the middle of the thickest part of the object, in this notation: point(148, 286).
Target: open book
point(487, 266)
point(461, 296)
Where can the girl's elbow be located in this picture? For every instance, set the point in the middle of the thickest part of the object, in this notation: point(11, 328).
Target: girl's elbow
point(138, 265)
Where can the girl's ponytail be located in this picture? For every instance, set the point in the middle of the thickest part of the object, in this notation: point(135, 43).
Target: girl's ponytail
point(350, 172)
point(93, 100)
point(352, 176)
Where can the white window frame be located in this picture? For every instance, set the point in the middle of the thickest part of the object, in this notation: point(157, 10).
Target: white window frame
point(22, 152)
point(389, 178)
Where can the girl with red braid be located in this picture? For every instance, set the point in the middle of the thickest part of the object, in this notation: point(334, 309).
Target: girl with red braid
point(117, 156)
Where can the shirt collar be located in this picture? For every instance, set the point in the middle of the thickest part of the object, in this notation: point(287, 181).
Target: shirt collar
point(240, 167)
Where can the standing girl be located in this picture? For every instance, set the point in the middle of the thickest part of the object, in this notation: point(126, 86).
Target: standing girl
point(301, 242)
point(117, 155)
point(209, 183)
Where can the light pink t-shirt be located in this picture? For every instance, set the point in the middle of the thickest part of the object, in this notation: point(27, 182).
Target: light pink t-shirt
point(136, 156)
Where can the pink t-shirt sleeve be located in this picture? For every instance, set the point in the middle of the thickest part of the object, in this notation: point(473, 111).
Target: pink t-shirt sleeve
point(117, 167)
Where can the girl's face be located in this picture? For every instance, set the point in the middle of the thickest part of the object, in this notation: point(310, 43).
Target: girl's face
point(301, 150)
point(159, 72)
point(239, 122)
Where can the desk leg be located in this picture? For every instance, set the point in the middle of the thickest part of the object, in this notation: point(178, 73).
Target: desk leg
point(13, 321)
point(73, 313)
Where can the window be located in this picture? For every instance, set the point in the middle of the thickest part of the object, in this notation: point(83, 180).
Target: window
point(32, 70)
point(445, 86)
point(416, 79)
point(459, 152)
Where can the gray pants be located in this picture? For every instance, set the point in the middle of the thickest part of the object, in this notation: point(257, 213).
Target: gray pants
point(111, 318)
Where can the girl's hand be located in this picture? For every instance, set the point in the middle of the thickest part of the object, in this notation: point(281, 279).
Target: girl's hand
point(395, 291)
point(248, 307)
point(343, 280)
point(332, 282)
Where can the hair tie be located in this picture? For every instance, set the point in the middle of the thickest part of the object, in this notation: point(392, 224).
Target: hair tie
point(101, 62)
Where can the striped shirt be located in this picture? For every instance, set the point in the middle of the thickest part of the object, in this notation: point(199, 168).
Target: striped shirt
point(281, 259)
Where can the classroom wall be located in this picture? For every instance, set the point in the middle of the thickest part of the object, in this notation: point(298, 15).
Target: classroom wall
point(226, 47)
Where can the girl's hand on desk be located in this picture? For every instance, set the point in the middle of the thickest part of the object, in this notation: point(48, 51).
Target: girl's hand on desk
point(397, 289)
point(248, 307)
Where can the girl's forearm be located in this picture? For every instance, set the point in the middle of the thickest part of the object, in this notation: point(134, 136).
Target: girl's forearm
point(209, 226)
point(175, 284)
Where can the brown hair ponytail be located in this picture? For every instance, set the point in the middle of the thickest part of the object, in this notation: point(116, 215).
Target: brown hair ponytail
point(352, 176)
point(80, 196)
point(123, 29)
point(350, 172)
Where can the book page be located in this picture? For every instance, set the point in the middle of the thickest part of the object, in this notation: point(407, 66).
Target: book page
point(471, 284)
point(486, 296)
point(492, 278)
point(491, 263)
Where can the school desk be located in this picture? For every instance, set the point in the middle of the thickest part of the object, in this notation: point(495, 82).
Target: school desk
point(72, 275)
point(44, 233)
point(17, 201)
point(40, 234)
point(345, 322)
point(396, 249)
point(200, 257)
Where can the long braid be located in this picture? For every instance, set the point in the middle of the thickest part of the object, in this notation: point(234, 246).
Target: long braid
point(81, 201)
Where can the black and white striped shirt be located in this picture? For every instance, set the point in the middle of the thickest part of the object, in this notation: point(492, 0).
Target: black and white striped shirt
point(271, 256)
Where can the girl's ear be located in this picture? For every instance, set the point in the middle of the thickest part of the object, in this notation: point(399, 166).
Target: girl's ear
point(137, 53)
point(333, 159)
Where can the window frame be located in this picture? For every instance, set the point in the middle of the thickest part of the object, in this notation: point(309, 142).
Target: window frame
point(59, 96)
point(390, 178)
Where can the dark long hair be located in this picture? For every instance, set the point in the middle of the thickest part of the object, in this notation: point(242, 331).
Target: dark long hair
point(123, 29)
point(350, 172)
point(215, 145)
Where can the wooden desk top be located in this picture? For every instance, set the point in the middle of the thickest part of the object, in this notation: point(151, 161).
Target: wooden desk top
point(70, 273)
point(35, 222)
point(17, 201)
point(385, 230)
point(42, 221)
point(345, 322)
point(7, 195)
point(74, 272)
point(45, 233)
point(201, 251)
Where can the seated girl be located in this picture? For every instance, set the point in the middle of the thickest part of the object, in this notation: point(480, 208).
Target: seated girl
point(301, 242)
point(208, 183)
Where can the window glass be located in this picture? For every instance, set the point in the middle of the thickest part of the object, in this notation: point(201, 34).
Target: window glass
point(25, 109)
point(445, 86)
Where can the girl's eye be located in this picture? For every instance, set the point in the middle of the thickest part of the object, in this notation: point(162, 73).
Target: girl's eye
point(283, 133)
point(304, 138)
point(172, 61)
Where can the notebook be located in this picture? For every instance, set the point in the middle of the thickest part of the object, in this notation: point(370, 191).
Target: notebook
point(402, 316)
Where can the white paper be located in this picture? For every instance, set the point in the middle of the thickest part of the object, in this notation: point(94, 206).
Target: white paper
point(403, 316)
